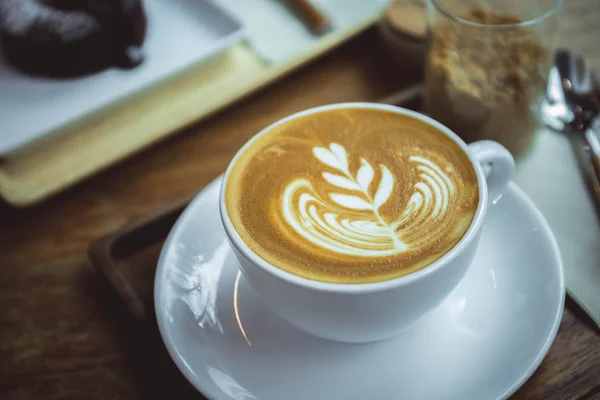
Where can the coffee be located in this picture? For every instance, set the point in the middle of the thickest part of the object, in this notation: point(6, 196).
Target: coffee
point(352, 195)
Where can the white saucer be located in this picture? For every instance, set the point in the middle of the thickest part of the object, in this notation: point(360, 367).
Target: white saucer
point(482, 343)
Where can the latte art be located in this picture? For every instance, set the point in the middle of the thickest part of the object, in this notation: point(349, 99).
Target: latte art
point(352, 195)
point(331, 223)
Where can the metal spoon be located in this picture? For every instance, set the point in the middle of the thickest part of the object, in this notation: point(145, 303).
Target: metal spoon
point(572, 105)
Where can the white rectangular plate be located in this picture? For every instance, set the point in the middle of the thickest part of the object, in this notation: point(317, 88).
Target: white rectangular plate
point(180, 34)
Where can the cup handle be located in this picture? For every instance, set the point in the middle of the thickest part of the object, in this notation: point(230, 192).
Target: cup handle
point(498, 166)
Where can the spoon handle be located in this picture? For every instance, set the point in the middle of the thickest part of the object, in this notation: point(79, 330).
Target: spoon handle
point(593, 150)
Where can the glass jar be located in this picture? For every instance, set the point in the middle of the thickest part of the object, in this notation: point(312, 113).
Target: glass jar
point(487, 67)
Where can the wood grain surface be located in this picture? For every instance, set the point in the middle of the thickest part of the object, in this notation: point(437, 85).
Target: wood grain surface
point(63, 332)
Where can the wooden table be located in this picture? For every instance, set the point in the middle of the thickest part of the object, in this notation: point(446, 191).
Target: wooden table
point(63, 332)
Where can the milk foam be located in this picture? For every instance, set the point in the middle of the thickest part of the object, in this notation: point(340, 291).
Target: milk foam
point(352, 195)
point(325, 221)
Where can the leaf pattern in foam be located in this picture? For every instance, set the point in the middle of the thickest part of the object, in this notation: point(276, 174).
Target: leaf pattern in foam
point(365, 175)
point(340, 153)
point(319, 221)
point(335, 157)
point(340, 181)
point(326, 157)
point(349, 201)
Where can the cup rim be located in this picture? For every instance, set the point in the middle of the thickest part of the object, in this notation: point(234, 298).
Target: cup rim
point(354, 288)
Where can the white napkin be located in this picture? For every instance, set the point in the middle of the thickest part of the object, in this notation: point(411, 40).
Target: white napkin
point(277, 35)
point(551, 175)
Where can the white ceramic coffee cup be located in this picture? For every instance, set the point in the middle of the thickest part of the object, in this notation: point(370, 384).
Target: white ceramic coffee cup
point(372, 311)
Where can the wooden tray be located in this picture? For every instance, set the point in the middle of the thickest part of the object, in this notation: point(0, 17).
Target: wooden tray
point(48, 166)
